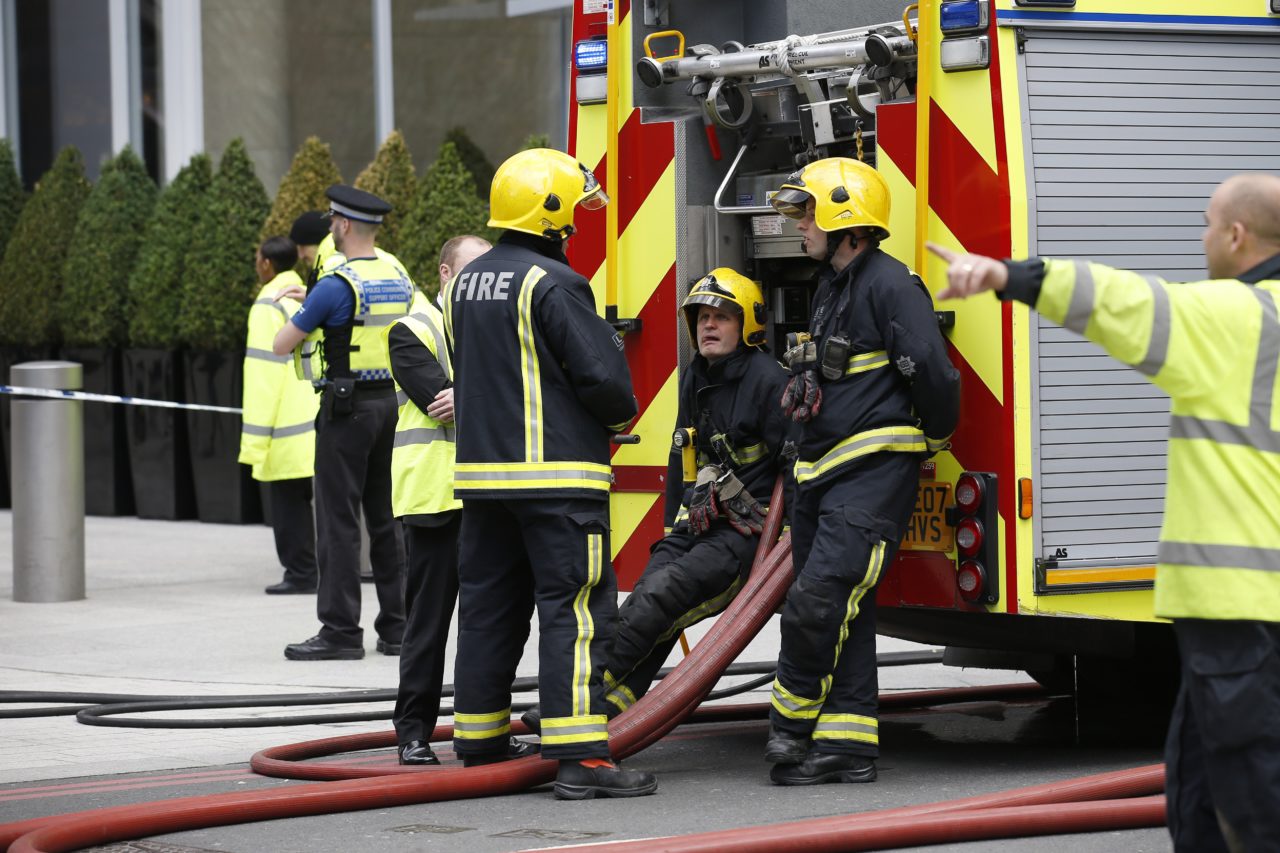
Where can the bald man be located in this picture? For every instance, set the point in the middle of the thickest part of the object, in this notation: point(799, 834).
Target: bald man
point(1214, 347)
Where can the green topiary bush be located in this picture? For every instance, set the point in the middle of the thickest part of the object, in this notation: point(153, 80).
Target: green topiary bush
point(155, 284)
point(536, 140)
point(31, 274)
point(12, 195)
point(219, 283)
point(445, 206)
point(302, 187)
point(391, 177)
point(473, 157)
point(94, 306)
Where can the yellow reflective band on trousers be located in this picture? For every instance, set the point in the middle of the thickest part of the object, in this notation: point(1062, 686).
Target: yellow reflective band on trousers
point(710, 607)
point(862, 362)
point(1214, 347)
point(530, 371)
point(903, 439)
point(423, 452)
point(619, 695)
point(532, 475)
point(482, 726)
point(795, 707)
point(847, 727)
point(564, 731)
point(581, 685)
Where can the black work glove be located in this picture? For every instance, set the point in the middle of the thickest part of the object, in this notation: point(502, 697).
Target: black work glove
point(704, 509)
point(738, 507)
point(802, 398)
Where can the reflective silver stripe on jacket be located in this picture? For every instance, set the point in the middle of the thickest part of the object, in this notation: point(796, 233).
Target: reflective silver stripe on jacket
point(534, 474)
point(1220, 556)
point(424, 435)
point(1258, 434)
point(1161, 322)
point(276, 305)
point(1082, 299)
point(278, 432)
point(266, 355)
point(437, 335)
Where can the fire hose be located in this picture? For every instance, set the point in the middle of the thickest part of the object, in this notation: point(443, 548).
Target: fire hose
point(661, 709)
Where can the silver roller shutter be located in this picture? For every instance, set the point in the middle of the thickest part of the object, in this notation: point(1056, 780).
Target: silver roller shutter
point(1128, 135)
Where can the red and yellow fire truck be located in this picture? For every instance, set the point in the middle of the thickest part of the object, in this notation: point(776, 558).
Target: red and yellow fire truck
point(1067, 128)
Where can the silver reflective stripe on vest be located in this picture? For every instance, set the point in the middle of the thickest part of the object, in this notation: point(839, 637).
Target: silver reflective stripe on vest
point(423, 435)
point(254, 429)
point(1258, 434)
point(374, 320)
point(296, 429)
point(276, 305)
point(1161, 321)
point(1082, 298)
point(1220, 556)
point(266, 355)
point(401, 398)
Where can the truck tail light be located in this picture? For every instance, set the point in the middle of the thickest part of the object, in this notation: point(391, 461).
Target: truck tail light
point(977, 538)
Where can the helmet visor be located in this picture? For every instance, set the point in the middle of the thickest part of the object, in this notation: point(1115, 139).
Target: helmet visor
point(791, 202)
point(595, 197)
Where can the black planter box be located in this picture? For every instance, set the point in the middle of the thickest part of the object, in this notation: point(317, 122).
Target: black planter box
point(159, 458)
point(225, 491)
point(108, 488)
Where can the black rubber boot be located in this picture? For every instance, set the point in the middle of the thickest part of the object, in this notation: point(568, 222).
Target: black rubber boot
point(533, 719)
point(516, 748)
point(785, 747)
point(576, 781)
point(820, 767)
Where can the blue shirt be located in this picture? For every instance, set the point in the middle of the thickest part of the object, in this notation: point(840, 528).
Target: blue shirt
point(330, 304)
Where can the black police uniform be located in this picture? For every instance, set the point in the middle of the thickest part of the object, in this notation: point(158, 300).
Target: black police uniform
point(731, 405)
point(897, 402)
point(540, 380)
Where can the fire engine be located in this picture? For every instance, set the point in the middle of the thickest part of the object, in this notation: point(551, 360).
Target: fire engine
point(1065, 128)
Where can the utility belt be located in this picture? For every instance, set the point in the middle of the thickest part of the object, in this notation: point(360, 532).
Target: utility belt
point(339, 395)
point(718, 450)
point(831, 357)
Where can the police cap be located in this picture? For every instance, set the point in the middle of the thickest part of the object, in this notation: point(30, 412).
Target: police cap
point(309, 228)
point(356, 204)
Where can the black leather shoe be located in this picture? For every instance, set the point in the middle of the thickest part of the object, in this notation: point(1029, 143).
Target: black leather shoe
point(516, 748)
point(821, 767)
point(785, 747)
point(417, 752)
point(317, 648)
point(576, 781)
point(291, 588)
point(386, 648)
point(533, 719)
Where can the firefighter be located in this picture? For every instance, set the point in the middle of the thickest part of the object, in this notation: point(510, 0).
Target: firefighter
point(1213, 346)
point(873, 393)
point(422, 498)
point(540, 384)
point(342, 322)
point(277, 436)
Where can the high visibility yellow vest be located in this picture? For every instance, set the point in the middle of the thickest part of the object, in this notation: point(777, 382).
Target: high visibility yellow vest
point(383, 294)
point(277, 436)
point(422, 458)
point(1214, 347)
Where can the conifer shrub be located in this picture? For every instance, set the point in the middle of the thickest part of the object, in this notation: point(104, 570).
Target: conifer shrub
point(12, 195)
point(155, 284)
point(536, 140)
point(31, 274)
point(391, 177)
point(94, 305)
point(219, 283)
point(473, 157)
point(445, 206)
point(302, 187)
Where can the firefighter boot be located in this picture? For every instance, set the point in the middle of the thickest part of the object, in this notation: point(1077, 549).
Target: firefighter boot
point(598, 777)
point(533, 719)
point(819, 767)
point(516, 748)
point(785, 747)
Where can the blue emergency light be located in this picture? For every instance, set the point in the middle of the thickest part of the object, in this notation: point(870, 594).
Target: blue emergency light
point(958, 16)
point(591, 56)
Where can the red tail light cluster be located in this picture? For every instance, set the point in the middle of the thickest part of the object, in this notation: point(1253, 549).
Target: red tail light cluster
point(977, 538)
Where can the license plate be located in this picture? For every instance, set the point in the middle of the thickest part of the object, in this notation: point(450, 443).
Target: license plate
point(928, 529)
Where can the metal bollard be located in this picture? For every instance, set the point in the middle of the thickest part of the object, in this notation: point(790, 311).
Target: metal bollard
point(48, 485)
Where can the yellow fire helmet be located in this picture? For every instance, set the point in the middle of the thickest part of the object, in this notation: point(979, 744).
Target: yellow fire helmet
point(537, 190)
point(729, 291)
point(846, 193)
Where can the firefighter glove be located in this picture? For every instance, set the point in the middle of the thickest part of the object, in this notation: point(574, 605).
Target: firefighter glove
point(738, 507)
point(704, 509)
point(803, 397)
point(801, 353)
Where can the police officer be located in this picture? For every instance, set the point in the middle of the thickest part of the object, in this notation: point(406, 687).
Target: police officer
point(874, 393)
point(422, 498)
point(277, 436)
point(1214, 347)
point(697, 568)
point(540, 383)
point(342, 323)
point(309, 231)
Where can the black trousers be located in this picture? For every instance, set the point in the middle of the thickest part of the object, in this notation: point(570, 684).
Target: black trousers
point(1222, 757)
point(844, 534)
point(688, 578)
point(294, 526)
point(515, 555)
point(353, 471)
point(431, 590)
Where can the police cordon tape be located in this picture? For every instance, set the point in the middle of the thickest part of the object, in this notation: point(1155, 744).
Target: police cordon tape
point(54, 394)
